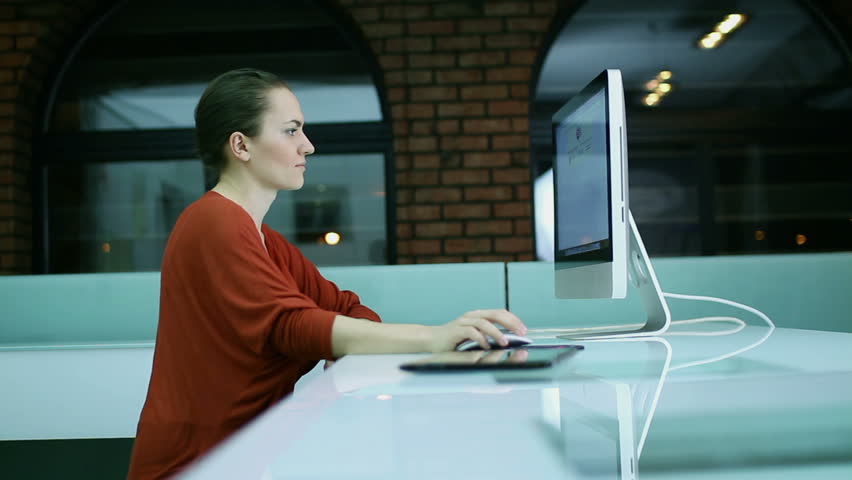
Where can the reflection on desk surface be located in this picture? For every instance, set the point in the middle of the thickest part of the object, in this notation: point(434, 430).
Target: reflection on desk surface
point(780, 410)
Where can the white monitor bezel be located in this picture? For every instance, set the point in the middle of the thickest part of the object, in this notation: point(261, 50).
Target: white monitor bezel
point(601, 274)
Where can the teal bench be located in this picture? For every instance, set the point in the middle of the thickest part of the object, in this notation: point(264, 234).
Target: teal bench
point(84, 343)
point(807, 291)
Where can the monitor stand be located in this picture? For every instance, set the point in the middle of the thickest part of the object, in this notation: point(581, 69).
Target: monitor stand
point(642, 276)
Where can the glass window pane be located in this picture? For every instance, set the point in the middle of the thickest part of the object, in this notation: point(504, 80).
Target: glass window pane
point(116, 217)
point(146, 66)
point(343, 194)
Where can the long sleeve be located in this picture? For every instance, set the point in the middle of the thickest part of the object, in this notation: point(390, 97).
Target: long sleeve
point(311, 282)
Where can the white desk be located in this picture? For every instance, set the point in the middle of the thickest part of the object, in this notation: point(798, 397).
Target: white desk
point(780, 410)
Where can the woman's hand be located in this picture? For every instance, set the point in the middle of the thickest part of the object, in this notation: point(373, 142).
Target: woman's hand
point(476, 325)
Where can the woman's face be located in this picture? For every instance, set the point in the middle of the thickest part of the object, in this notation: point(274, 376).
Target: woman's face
point(277, 154)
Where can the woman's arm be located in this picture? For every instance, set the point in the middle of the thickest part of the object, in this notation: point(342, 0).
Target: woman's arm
point(353, 336)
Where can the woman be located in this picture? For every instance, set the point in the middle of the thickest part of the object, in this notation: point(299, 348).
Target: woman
point(243, 314)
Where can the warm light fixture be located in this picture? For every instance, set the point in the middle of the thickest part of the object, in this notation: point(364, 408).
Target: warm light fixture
point(331, 238)
point(106, 247)
point(801, 239)
point(658, 87)
point(759, 235)
point(721, 31)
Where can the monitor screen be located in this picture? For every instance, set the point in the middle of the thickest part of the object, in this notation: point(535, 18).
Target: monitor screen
point(582, 176)
point(589, 192)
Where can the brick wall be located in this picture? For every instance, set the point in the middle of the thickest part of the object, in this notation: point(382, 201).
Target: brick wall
point(33, 34)
point(458, 79)
point(457, 74)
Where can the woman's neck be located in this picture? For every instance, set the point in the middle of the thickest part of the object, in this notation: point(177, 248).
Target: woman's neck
point(253, 198)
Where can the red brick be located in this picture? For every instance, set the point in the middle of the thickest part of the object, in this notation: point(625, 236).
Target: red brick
point(392, 62)
point(448, 127)
point(481, 25)
point(404, 195)
point(382, 30)
point(402, 162)
point(438, 195)
point(459, 42)
point(488, 227)
point(465, 109)
point(424, 94)
point(482, 59)
point(467, 245)
point(487, 125)
point(521, 125)
point(520, 91)
point(523, 57)
point(400, 128)
point(455, 9)
point(521, 159)
point(400, 144)
point(509, 40)
point(494, 193)
point(465, 143)
point(409, 44)
point(508, 142)
point(432, 27)
point(511, 175)
point(6, 159)
point(528, 24)
point(418, 212)
point(418, 77)
point(484, 92)
point(523, 226)
point(438, 229)
point(404, 260)
point(417, 178)
point(423, 127)
point(459, 76)
point(512, 209)
point(424, 247)
point(431, 60)
point(428, 160)
point(422, 144)
point(14, 59)
point(506, 8)
point(547, 7)
point(6, 42)
point(468, 210)
point(19, 27)
point(522, 192)
point(487, 159)
point(513, 245)
point(395, 78)
point(441, 259)
point(526, 257)
point(508, 74)
point(396, 94)
point(407, 12)
point(420, 110)
point(508, 107)
point(7, 76)
point(489, 258)
point(365, 14)
point(465, 177)
point(403, 230)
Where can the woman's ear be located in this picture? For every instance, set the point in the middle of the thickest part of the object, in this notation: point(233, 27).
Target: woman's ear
point(238, 145)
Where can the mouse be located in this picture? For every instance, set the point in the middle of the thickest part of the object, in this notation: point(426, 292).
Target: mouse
point(514, 341)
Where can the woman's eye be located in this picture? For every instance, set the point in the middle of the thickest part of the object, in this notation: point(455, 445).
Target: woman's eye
point(291, 132)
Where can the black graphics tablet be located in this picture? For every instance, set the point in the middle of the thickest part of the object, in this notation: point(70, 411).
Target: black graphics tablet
point(523, 358)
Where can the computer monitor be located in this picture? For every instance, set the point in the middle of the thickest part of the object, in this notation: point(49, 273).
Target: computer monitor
point(590, 192)
point(597, 246)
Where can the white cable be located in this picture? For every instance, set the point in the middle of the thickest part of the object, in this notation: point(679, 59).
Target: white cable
point(732, 304)
point(740, 325)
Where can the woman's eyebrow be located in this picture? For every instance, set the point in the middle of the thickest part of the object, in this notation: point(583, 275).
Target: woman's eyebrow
point(297, 122)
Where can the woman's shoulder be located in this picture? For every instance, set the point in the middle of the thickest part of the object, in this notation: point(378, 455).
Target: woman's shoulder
point(214, 215)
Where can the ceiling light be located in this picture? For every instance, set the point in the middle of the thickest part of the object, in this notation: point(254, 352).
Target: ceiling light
point(332, 238)
point(664, 88)
point(652, 99)
point(724, 28)
point(652, 85)
point(665, 75)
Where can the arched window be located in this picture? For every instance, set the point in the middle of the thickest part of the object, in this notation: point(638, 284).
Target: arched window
point(746, 151)
point(118, 154)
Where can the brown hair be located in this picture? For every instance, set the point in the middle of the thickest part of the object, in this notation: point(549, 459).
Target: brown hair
point(233, 102)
